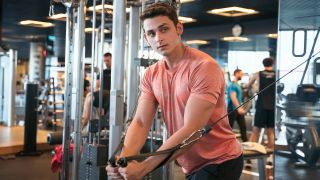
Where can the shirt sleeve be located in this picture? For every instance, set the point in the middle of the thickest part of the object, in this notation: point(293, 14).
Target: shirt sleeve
point(207, 82)
point(146, 86)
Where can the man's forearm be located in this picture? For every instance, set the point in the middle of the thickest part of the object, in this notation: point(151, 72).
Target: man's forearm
point(135, 139)
point(152, 162)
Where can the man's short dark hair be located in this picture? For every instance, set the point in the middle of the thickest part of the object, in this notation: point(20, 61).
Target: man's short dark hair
point(267, 62)
point(107, 54)
point(160, 9)
point(236, 71)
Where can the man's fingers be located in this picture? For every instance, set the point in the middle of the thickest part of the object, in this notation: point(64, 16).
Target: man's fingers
point(112, 169)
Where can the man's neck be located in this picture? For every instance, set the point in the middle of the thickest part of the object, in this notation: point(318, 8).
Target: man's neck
point(268, 68)
point(176, 56)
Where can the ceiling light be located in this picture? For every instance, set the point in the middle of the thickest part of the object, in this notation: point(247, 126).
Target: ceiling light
point(186, 19)
point(274, 36)
point(39, 24)
point(185, 1)
point(61, 17)
point(199, 42)
point(88, 30)
point(235, 39)
point(233, 11)
point(107, 8)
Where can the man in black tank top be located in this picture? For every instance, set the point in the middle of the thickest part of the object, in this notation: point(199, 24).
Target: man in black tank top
point(264, 116)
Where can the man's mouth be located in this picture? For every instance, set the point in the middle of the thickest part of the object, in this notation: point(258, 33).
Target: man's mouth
point(162, 46)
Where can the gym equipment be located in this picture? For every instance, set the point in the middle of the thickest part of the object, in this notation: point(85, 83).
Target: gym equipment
point(30, 122)
point(8, 63)
point(54, 138)
point(303, 124)
point(302, 111)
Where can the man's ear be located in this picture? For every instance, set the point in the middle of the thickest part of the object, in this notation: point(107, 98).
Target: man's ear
point(179, 28)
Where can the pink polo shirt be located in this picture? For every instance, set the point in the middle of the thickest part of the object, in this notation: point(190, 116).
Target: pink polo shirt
point(200, 76)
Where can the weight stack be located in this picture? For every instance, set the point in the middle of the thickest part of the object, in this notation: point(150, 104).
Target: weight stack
point(93, 162)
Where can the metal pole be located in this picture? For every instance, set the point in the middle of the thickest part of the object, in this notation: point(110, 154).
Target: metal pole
point(132, 75)
point(101, 68)
point(117, 74)
point(141, 32)
point(67, 97)
point(12, 76)
point(77, 90)
point(92, 63)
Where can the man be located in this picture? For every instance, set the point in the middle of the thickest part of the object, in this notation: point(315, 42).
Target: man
point(189, 87)
point(106, 73)
point(234, 94)
point(264, 116)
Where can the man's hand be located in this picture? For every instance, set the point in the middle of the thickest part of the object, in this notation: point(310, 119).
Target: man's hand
point(113, 172)
point(134, 171)
point(241, 111)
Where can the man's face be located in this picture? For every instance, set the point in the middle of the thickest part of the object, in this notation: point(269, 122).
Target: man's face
point(162, 35)
point(107, 61)
point(239, 75)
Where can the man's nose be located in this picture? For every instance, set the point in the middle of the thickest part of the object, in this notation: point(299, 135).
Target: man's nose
point(159, 37)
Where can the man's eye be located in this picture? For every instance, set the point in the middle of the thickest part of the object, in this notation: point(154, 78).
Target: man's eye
point(164, 29)
point(151, 34)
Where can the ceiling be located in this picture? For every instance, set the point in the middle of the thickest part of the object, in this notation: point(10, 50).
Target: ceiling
point(207, 27)
point(298, 14)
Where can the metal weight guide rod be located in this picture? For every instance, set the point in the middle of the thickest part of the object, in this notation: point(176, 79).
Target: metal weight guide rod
point(123, 161)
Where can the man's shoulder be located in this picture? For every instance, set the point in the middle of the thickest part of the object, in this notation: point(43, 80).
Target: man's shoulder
point(200, 55)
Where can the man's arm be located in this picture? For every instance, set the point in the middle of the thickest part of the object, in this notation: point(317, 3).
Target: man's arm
point(252, 80)
point(86, 115)
point(235, 102)
point(197, 114)
point(139, 128)
point(97, 85)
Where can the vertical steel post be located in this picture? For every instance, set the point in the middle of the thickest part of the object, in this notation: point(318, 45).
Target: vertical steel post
point(117, 74)
point(101, 68)
point(77, 90)
point(67, 96)
point(93, 46)
point(132, 74)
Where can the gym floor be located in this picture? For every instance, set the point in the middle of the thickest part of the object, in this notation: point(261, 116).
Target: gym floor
point(38, 167)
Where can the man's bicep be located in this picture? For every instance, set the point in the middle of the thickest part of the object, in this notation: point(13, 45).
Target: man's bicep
point(145, 112)
point(197, 112)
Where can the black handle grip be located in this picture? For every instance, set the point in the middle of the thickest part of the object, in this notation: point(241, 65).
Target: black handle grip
point(112, 161)
point(122, 162)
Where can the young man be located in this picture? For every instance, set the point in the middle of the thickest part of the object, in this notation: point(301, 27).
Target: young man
point(189, 87)
point(264, 116)
point(234, 94)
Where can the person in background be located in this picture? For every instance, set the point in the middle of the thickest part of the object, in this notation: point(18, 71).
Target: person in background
point(265, 105)
point(106, 92)
point(234, 100)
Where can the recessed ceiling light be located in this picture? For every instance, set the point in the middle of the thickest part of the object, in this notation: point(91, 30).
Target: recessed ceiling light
point(235, 39)
point(200, 42)
point(185, 1)
point(186, 19)
point(33, 23)
point(233, 11)
point(107, 7)
point(274, 36)
point(89, 30)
